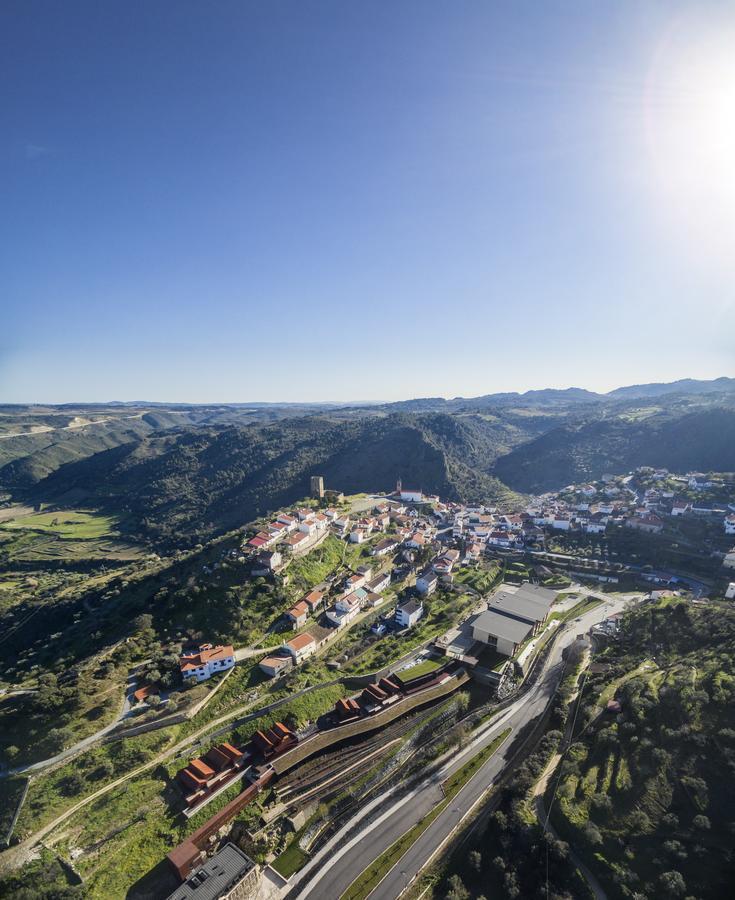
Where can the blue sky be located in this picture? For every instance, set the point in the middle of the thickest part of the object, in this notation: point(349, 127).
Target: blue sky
point(303, 200)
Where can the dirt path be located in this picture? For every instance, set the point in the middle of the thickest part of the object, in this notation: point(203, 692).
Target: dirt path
point(537, 797)
point(19, 854)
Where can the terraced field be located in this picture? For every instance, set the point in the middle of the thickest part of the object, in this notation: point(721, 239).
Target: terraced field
point(64, 535)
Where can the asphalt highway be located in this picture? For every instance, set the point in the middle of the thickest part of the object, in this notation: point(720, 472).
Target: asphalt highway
point(342, 860)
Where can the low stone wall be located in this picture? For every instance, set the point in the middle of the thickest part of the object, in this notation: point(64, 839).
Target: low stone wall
point(175, 719)
point(18, 807)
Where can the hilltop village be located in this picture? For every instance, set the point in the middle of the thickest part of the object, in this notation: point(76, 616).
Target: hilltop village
point(392, 628)
point(517, 574)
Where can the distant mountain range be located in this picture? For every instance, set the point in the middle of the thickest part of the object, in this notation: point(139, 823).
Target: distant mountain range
point(572, 395)
point(178, 474)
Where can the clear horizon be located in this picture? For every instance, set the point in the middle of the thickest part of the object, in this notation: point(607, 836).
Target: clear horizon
point(313, 402)
point(397, 201)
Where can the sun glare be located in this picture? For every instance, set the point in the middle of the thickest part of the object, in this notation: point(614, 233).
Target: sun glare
point(690, 122)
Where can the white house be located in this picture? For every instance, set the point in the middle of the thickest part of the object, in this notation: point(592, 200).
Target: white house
point(416, 541)
point(344, 610)
point(411, 496)
point(207, 661)
point(729, 560)
point(595, 527)
point(729, 524)
point(278, 529)
point(426, 582)
point(730, 592)
point(301, 647)
point(379, 583)
point(287, 520)
point(444, 564)
point(298, 614)
point(357, 536)
point(355, 581)
point(543, 519)
point(408, 614)
point(699, 482)
point(680, 509)
point(561, 522)
point(267, 561)
point(385, 546)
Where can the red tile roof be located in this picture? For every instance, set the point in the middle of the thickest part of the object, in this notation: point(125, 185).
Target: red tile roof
point(206, 654)
point(201, 768)
point(298, 610)
point(300, 641)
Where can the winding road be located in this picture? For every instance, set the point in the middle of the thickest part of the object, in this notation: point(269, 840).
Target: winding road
point(345, 857)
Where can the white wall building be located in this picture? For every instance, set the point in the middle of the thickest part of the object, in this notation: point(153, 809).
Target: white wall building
point(408, 614)
point(207, 661)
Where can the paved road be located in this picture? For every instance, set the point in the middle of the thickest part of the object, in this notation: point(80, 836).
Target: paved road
point(339, 863)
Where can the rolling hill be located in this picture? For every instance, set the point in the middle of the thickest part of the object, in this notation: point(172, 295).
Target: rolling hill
point(178, 474)
point(681, 441)
point(185, 485)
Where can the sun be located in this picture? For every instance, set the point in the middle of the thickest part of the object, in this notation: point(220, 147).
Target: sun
point(690, 129)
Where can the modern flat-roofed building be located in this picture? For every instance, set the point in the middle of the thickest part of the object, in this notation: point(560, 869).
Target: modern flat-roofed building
point(501, 632)
point(228, 875)
point(521, 606)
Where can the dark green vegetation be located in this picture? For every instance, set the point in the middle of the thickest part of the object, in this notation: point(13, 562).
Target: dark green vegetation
point(647, 796)
point(43, 879)
point(696, 433)
point(176, 475)
point(184, 486)
point(508, 856)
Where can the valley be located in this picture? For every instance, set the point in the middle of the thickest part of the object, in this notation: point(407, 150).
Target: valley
point(212, 534)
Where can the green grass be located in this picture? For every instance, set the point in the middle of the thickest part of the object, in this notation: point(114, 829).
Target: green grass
point(68, 524)
point(64, 535)
point(443, 609)
point(148, 801)
point(582, 607)
point(292, 858)
point(422, 668)
point(368, 880)
point(480, 579)
point(11, 790)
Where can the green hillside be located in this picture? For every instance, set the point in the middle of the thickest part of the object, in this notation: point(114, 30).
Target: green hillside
point(676, 437)
point(186, 485)
point(647, 796)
